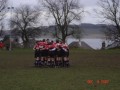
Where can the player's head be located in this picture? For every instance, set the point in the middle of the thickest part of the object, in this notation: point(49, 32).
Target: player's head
point(57, 41)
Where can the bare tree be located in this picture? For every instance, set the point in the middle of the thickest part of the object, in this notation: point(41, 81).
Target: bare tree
point(110, 11)
point(24, 18)
point(3, 5)
point(1, 29)
point(64, 12)
point(77, 33)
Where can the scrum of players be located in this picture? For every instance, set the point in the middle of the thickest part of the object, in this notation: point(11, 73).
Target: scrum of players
point(51, 54)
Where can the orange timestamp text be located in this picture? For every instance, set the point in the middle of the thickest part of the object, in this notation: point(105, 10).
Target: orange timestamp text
point(102, 82)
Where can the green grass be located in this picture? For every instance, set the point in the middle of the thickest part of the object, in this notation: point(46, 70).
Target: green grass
point(18, 73)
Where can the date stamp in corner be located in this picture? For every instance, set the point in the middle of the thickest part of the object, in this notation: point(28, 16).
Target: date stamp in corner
point(97, 82)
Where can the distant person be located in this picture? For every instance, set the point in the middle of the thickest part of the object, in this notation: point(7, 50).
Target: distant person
point(1, 44)
point(103, 45)
point(8, 47)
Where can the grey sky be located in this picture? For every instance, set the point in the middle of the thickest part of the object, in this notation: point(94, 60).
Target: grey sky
point(18, 2)
point(88, 5)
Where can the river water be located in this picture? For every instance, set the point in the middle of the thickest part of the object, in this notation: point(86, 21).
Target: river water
point(95, 43)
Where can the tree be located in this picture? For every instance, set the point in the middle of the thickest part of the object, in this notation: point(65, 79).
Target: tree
point(77, 33)
point(110, 11)
point(64, 12)
point(3, 5)
point(110, 32)
point(24, 18)
point(1, 29)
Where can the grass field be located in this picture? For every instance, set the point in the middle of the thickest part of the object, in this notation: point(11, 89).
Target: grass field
point(18, 73)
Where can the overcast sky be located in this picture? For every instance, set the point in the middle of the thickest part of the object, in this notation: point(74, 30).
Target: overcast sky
point(88, 5)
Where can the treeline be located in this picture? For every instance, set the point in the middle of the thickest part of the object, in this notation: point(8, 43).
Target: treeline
point(64, 14)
